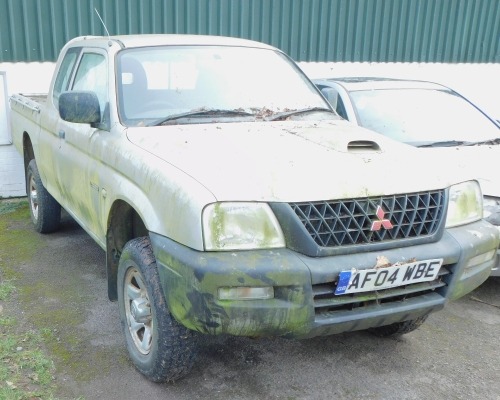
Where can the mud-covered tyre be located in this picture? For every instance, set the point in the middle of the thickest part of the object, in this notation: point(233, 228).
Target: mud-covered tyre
point(399, 328)
point(160, 348)
point(45, 211)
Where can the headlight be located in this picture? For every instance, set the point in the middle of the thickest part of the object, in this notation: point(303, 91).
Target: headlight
point(465, 204)
point(241, 226)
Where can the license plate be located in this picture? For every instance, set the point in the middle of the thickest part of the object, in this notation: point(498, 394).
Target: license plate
point(365, 280)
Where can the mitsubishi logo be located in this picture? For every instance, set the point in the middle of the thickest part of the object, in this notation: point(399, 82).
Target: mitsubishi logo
point(382, 222)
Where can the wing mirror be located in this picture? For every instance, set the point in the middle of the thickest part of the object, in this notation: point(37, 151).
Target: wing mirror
point(80, 107)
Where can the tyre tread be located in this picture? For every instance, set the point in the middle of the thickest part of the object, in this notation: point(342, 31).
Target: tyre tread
point(398, 328)
point(177, 345)
point(49, 210)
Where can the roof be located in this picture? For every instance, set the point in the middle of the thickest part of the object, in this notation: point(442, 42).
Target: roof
point(144, 40)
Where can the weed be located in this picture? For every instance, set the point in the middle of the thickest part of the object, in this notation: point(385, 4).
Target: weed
point(7, 206)
point(6, 288)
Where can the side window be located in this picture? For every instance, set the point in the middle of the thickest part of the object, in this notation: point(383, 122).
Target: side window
point(64, 74)
point(92, 75)
point(334, 99)
point(341, 108)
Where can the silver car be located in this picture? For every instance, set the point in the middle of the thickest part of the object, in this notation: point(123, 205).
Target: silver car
point(425, 115)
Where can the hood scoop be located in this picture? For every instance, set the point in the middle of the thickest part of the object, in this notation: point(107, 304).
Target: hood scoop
point(362, 146)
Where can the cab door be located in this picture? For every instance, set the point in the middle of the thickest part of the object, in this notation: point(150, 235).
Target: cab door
point(77, 167)
point(49, 142)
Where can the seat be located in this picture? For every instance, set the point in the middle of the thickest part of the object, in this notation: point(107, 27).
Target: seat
point(134, 84)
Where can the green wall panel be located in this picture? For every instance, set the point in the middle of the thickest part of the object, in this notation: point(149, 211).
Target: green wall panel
point(308, 30)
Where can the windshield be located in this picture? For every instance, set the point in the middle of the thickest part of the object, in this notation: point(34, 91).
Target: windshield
point(422, 116)
point(160, 82)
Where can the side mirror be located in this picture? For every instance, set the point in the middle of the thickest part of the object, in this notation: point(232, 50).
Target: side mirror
point(80, 107)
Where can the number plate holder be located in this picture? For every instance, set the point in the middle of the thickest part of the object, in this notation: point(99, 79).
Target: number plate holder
point(366, 280)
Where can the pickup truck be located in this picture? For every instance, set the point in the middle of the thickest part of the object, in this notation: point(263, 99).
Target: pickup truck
point(230, 198)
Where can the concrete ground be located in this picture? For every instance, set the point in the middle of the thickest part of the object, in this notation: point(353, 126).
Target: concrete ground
point(62, 287)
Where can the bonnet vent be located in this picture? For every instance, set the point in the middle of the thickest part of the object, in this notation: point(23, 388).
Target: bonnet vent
point(362, 146)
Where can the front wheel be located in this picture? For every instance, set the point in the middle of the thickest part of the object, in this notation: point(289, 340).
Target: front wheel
point(45, 211)
point(160, 347)
point(398, 328)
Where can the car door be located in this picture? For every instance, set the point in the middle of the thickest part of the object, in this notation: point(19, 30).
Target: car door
point(49, 142)
point(75, 162)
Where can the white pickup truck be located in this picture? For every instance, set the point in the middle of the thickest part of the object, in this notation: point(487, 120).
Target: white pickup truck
point(231, 199)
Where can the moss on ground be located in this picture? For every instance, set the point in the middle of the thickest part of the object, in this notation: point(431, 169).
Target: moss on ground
point(17, 243)
point(25, 369)
point(51, 302)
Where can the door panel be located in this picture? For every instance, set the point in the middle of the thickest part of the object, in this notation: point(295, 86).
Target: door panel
point(78, 168)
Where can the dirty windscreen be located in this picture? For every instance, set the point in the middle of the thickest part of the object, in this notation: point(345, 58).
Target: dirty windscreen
point(157, 82)
point(422, 116)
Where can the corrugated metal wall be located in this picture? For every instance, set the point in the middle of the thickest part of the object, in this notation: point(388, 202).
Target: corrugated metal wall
point(308, 30)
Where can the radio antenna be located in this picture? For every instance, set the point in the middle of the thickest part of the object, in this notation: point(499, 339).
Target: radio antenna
point(102, 22)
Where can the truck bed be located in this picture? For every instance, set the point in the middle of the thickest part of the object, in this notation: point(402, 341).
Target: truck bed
point(26, 115)
point(32, 101)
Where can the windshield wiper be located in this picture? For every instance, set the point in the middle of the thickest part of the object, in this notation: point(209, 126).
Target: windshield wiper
point(452, 143)
point(446, 143)
point(286, 114)
point(202, 113)
point(484, 142)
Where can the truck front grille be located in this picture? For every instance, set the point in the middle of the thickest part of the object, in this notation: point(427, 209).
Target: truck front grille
point(372, 219)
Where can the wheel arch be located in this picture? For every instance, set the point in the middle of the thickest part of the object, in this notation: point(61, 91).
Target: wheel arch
point(28, 153)
point(124, 224)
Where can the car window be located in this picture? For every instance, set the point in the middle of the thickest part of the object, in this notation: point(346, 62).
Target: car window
point(92, 76)
point(64, 74)
point(157, 82)
point(417, 116)
point(340, 108)
point(334, 98)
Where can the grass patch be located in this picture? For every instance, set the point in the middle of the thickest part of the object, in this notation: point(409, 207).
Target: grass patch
point(8, 206)
point(16, 242)
point(6, 288)
point(25, 371)
point(31, 348)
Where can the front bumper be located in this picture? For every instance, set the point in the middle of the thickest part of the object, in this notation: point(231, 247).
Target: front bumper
point(191, 279)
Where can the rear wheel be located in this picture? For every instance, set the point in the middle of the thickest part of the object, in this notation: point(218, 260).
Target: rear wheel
point(399, 328)
point(45, 211)
point(160, 347)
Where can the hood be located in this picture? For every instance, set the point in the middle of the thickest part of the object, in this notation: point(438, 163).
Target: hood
point(292, 160)
point(475, 161)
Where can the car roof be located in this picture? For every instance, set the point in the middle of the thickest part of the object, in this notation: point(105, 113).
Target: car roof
point(145, 40)
point(375, 83)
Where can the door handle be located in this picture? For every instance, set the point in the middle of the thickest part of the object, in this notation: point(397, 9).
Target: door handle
point(62, 134)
